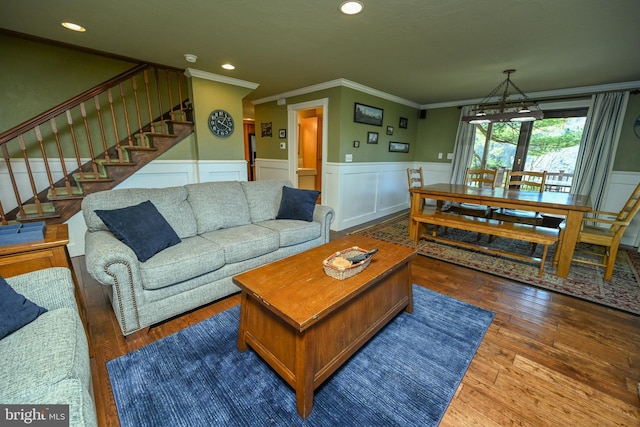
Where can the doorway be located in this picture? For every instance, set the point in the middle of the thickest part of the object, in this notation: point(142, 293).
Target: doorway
point(308, 144)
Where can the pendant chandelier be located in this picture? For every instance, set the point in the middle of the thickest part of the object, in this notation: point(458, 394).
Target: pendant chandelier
point(498, 107)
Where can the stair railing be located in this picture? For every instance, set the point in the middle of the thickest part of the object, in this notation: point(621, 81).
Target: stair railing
point(46, 156)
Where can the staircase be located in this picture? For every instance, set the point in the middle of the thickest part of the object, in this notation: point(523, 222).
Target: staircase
point(91, 143)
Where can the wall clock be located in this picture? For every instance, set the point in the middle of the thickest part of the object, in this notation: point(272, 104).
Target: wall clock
point(221, 123)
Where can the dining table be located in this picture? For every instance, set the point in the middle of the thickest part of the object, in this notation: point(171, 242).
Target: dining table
point(571, 207)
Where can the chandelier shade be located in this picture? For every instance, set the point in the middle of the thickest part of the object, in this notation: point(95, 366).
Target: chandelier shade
point(505, 105)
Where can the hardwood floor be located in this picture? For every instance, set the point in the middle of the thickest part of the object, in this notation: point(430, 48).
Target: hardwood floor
point(547, 359)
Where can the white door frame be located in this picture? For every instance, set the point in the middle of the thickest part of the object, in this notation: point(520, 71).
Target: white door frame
point(293, 139)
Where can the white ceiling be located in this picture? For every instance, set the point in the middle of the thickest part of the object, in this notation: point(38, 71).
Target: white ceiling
point(424, 51)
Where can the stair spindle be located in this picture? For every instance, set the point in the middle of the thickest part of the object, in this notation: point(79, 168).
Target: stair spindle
point(146, 86)
point(102, 134)
point(45, 159)
point(135, 97)
point(183, 116)
point(14, 184)
point(3, 217)
point(126, 116)
point(27, 164)
point(63, 166)
point(74, 142)
point(168, 74)
point(115, 127)
point(159, 95)
point(94, 166)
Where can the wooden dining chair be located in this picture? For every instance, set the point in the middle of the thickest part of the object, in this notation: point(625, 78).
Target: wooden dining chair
point(415, 180)
point(605, 229)
point(523, 181)
point(481, 178)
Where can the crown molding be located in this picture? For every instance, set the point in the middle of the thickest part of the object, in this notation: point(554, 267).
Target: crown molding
point(190, 72)
point(557, 93)
point(338, 83)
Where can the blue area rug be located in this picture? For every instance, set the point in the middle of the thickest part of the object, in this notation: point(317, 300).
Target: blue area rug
point(404, 376)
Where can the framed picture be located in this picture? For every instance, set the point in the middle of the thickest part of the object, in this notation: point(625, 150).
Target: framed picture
point(404, 122)
point(367, 114)
point(398, 147)
point(389, 130)
point(282, 133)
point(356, 144)
point(372, 137)
point(265, 129)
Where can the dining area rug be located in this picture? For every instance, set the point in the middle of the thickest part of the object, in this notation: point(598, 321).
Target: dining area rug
point(587, 282)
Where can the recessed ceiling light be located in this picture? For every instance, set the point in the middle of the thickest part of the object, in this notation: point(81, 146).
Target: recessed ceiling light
point(74, 27)
point(228, 67)
point(351, 7)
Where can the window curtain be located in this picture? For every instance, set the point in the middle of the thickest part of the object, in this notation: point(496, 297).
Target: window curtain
point(463, 149)
point(598, 145)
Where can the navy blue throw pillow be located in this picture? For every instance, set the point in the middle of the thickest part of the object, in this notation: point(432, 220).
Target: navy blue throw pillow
point(15, 310)
point(141, 227)
point(297, 204)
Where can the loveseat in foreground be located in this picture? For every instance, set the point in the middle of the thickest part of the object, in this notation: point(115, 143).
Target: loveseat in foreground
point(46, 361)
point(223, 229)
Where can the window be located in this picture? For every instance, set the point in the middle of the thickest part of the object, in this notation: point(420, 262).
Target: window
point(550, 144)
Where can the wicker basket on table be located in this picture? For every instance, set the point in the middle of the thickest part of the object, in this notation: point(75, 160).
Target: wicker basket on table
point(344, 272)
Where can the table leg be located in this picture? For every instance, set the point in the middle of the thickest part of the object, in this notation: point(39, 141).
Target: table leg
point(415, 203)
point(242, 344)
point(569, 239)
point(305, 372)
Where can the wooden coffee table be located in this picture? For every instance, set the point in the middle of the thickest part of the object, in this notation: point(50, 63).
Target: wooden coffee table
point(306, 324)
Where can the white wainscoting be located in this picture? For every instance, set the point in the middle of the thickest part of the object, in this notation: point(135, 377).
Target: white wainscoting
point(363, 192)
point(271, 169)
point(164, 173)
point(620, 188)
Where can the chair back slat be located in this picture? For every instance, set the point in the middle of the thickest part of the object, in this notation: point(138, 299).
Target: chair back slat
point(526, 180)
point(481, 178)
point(414, 177)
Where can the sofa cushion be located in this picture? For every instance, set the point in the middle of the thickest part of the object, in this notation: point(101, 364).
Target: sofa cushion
point(171, 202)
point(193, 257)
point(263, 198)
point(141, 227)
point(48, 350)
point(293, 232)
point(218, 205)
point(297, 204)
point(244, 242)
point(16, 311)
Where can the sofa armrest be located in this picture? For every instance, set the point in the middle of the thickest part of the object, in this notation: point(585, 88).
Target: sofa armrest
point(324, 215)
point(51, 288)
point(103, 249)
point(112, 263)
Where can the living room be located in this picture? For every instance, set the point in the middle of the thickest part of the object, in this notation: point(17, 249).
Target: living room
point(363, 182)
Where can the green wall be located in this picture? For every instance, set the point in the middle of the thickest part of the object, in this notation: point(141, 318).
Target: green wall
point(343, 131)
point(207, 96)
point(437, 134)
point(628, 154)
point(35, 77)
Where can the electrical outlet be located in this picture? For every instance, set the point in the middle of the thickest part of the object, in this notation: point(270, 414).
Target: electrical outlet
point(439, 155)
point(283, 145)
point(348, 157)
point(449, 156)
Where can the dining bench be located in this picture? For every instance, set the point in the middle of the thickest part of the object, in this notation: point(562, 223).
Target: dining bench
point(524, 232)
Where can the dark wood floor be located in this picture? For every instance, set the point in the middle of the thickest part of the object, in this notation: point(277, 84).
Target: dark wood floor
point(547, 359)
